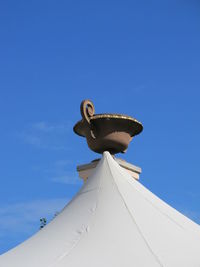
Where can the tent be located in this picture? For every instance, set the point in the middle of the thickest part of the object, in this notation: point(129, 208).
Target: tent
point(114, 221)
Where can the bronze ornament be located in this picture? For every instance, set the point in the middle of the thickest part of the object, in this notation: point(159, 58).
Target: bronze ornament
point(106, 132)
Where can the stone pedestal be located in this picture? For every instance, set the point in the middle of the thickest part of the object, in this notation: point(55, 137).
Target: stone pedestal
point(86, 170)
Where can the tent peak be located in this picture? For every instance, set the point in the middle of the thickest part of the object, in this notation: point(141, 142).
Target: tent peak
point(86, 170)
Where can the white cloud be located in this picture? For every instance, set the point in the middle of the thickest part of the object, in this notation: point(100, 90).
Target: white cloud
point(139, 88)
point(67, 178)
point(60, 172)
point(46, 135)
point(193, 215)
point(63, 162)
point(32, 140)
point(47, 127)
point(23, 218)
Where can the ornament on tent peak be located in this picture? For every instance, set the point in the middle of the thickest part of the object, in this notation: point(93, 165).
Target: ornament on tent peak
point(106, 132)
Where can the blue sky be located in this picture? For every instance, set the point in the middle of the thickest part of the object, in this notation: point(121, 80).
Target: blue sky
point(141, 58)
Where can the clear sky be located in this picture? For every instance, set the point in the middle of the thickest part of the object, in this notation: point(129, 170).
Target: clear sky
point(141, 58)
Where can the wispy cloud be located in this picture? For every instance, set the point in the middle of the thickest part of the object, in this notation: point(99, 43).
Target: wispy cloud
point(61, 172)
point(63, 163)
point(139, 88)
point(23, 218)
point(193, 215)
point(193, 195)
point(48, 128)
point(190, 209)
point(67, 178)
point(46, 135)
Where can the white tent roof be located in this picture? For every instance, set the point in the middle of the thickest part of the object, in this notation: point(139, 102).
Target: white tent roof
point(113, 221)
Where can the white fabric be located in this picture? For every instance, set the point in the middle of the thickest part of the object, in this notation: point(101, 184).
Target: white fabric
point(113, 221)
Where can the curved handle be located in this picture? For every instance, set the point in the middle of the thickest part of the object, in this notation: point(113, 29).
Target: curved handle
point(87, 111)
